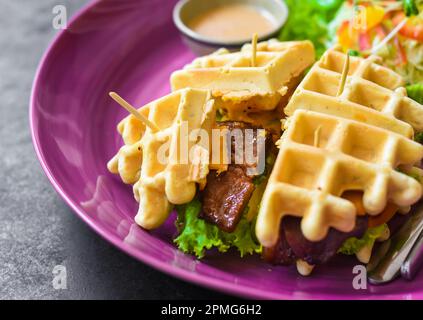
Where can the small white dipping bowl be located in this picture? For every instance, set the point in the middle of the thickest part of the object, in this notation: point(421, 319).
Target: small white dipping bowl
point(186, 10)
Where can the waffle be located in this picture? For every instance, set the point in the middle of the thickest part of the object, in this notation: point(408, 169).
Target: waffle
point(159, 184)
point(237, 86)
point(320, 157)
point(372, 94)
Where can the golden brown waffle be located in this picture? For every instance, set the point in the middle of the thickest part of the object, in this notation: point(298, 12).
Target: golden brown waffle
point(160, 184)
point(372, 94)
point(238, 85)
point(320, 157)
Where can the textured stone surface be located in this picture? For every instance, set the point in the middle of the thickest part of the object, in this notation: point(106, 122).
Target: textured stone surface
point(37, 230)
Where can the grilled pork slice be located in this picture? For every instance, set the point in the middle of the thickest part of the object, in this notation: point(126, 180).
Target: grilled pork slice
point(227, 194)
point(292, 244)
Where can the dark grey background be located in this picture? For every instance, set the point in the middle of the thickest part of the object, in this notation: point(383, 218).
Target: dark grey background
point(37, 229)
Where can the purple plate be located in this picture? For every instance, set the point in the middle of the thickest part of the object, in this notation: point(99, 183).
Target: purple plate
point(132, 47)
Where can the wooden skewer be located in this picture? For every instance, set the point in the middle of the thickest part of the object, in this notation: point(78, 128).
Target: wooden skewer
point(389, 37)
point(317, 136)
point(254, 50)
point(125, 104)
point(344, 75)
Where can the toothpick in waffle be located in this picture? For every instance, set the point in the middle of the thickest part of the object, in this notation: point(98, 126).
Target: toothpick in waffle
point(159, 185)
point(320, 157)
point(373, 94)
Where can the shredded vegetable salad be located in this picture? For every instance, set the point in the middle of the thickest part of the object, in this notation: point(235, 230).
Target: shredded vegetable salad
point(391, 29)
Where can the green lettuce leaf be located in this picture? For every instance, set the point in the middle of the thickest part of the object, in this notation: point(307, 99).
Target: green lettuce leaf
point(353, 245)
point(411, 173)
point(196, 236)
point(410, 7)
point(308, 20)
point(415, 92)
point(354, 53)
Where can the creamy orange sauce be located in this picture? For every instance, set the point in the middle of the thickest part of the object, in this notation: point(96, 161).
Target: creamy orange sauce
point(232, 22)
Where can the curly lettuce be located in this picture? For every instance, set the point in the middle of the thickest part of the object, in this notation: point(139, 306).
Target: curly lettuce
point(353, 245)
point(309, 20)
point(196, 236)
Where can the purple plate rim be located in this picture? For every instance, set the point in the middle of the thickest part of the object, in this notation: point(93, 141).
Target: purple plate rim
point(202, 280)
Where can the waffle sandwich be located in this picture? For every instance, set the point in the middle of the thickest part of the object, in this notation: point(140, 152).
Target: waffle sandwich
point(336, 144)
point(159, 186)
point(346, 160)
point(160, 182)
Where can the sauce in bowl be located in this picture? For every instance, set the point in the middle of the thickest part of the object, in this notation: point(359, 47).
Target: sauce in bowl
point(232, 22)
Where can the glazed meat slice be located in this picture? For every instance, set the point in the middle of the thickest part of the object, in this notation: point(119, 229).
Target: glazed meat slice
point(249, 140)
point(226, 196)
point(318, 252)
point(296, 246)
